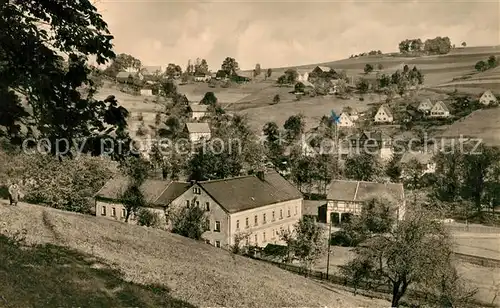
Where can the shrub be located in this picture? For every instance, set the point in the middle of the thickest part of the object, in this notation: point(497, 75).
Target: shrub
point(188, 221)
point(148, 218)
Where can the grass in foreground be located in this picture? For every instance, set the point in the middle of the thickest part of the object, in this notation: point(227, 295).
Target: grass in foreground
point(184, 271)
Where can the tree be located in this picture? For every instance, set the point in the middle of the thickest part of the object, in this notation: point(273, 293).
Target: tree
point(257, 69)
point(173, 70)
point(136, 170)
point(464, 44)
point(209, 99)
point(362, 167)
point(121, 63)
point(273, 144)
point(380, 66)
point(282, 80)
point(307, 241)
point(363, 86)
point(492, 62)
point(416, 252)
point(147, 218)
point(438, 45)
point(368, 68)
point(188, 221)
point(201, 67)
point(157, 119)
point(291, 75)
point(229, 66)
point(412, 174)
point(276, 99)
point(481, 66)
point(269, 72)
point(294, 127)
point(449, 168)
point(50, 85)
point(300, 87)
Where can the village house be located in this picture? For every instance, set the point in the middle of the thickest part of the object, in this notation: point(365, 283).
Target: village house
point(201, 77)
point(346, 198)
point(128, 77)
point(440, 110)
point(372, 142)
point(345, 120)
point(425, 106)
point(147, 90)
point(198, 131)
point(320, 71)
point(488, 98)
point(255, 207)
point(243, 76)
point(425, 159)
point(157, 193)
point(198, 111)
point(302, 75)
point(384, 115)
point(352, 112)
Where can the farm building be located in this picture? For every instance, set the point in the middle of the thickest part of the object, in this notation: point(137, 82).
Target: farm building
point(260, 205)
point(198, 131)
point(440, 110)
point(384, 115)
point(158, 195)
point(425, 106)
point(146, 92)
point(202, 77)
point(488, 98)
point(347, 198)
point(198, 111)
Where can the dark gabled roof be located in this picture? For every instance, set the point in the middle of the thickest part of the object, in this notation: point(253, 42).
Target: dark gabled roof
point(310, 207)
point(377, 135)
point(249, 192)
point(115, 187)
point(173, 191)
point(362, 191)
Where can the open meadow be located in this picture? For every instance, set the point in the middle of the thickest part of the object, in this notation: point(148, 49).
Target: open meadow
point(112, 263)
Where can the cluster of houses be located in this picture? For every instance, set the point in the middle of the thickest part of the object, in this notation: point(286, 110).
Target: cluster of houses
point(255, 207)
point(436, 110)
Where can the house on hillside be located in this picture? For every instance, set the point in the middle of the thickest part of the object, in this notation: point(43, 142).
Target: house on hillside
point(345, 120)
point(488, 98)
point(440, 110)
point(373, 142)
point(255, 208)
point(200, 77)
point(128, 77)
point(198, 131)
point(346, 198)
point(198, 111)
point(158, 194)
point(242, 76)
point(425, 159)
point(425, 106)
point(352, 112)
point(384, 115)
point(320, 70)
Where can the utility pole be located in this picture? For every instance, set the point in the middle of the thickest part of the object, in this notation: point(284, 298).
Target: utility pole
point(329, 241)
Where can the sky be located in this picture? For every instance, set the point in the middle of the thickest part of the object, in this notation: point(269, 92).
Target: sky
point(289, 33)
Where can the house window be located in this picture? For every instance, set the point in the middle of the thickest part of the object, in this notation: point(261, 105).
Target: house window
point(124, 213)
point(207, 206)
point(263, 218)
point(207, 224)
point(187, 203)
point(197, 203)
point(273, 217)
point(196, 190)
point(288, 214)
point(264, 237)
point(255, 220)
point(246, 222)
point(207, 241)
point(281, 214)
point(217, 244)
point(256, 238)
point(103, 210)
point(295, 210)
point(217, 226)
point(237, 224)
point(113, 212)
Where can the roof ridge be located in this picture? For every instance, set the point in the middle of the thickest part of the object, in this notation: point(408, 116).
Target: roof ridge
point(227, 179)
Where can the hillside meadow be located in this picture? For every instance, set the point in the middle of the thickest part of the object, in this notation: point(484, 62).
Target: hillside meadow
point(127, 265)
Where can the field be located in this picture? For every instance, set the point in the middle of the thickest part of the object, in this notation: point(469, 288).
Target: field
point(482, 124)
point(94, 262)
point(476, 243)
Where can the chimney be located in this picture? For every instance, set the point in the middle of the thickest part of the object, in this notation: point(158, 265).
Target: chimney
point(260, 175)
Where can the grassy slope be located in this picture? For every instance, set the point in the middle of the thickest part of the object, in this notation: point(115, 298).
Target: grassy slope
point(189, 271)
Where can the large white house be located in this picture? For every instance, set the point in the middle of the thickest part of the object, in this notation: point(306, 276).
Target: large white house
point(384, 115)
point(198, 131)
point(488, 98)
point(254, 208)
point(347, 198)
